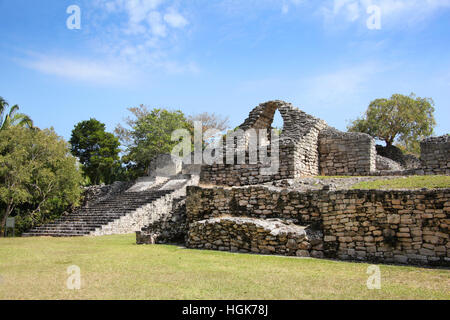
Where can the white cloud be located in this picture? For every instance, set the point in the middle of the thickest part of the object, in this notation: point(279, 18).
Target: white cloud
point(175, 19)
point(83, 70)
point(394, 12)
point(135, 40)
point(335, 87)
point(324, 89)
point(150, 32)
point(147, 16)
point(156, 24)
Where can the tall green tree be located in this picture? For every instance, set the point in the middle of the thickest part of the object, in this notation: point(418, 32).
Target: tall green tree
point(97, 150)
point(38, 176)
point(406, 119)
point(12, 118)
point(149, 134)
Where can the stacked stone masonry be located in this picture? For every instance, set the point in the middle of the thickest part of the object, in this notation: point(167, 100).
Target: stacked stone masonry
point(435, 155)
point(309, 147)
point(410, 227)
point(298, 148)
point(346, 153)
point(168, 228)
point(270, 236)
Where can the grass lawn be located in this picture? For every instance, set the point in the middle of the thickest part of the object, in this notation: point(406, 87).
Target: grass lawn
point(413, 182)
point(114, 267)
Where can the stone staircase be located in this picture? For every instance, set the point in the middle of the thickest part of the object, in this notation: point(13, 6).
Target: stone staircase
point(88, 220)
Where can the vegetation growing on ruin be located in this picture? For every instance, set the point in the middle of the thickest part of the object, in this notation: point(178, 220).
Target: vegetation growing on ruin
point(405, 119)
point(413, 182)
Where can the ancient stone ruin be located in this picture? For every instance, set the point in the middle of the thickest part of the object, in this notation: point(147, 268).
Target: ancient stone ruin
point(435, 155)
point(308, 147)
point(236, 207)
point(286, 214)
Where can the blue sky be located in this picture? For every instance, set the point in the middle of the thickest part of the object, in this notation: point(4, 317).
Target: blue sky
point(223, 56)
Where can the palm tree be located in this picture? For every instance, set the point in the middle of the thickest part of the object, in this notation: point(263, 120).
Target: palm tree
point(13, 118)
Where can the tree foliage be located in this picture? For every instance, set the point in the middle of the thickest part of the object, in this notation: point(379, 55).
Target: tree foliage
point(149, 134)
point(406, 119)
point(210, 121)
point(12, 118)
point(39, 178)
point(97, 150)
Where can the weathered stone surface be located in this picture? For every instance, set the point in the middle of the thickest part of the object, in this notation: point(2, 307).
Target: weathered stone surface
point(170, 227)
point(435, 155)
point(95, 194)
point(272, 236)
point(387, 164)
point(298, 144)
point(346, 153)
point(165, 166)
point(308, 147)
point(372, 225)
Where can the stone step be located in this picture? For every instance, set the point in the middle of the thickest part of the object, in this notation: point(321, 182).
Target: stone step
point(86, 220)
point(56, 235)
point(65, 230)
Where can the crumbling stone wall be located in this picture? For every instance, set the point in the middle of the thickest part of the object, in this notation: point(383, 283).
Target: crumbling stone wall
point(255, 235)
point(386, 164)
point(435, 155)
point(407, 161)
point(169, 228)
point(384, 226)
point(346, 153)
point(165, 166)
point(298, 148)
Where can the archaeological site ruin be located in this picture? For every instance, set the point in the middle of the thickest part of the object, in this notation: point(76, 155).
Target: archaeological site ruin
point(294, 211)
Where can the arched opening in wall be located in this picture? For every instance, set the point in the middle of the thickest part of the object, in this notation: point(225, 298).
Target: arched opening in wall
point(278, 123)
point(273, 121)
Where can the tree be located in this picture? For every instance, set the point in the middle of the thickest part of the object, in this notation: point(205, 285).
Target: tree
point(210, 121)
point(96, 149)
point(12, 118)
point(406, 119)
point(38, 176)
point(149, 134)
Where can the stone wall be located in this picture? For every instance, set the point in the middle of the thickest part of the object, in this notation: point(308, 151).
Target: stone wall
point(250, 174)
point(170, 228)
point(386, 164)
point(346, 153)
point(298, 148)
point(165, 166)
point(255, 235)
point(253, 201)
point(435, 155)
point(382, 226)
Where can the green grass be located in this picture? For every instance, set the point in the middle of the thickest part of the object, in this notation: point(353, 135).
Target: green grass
point(413, 182)
point(114, 267)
